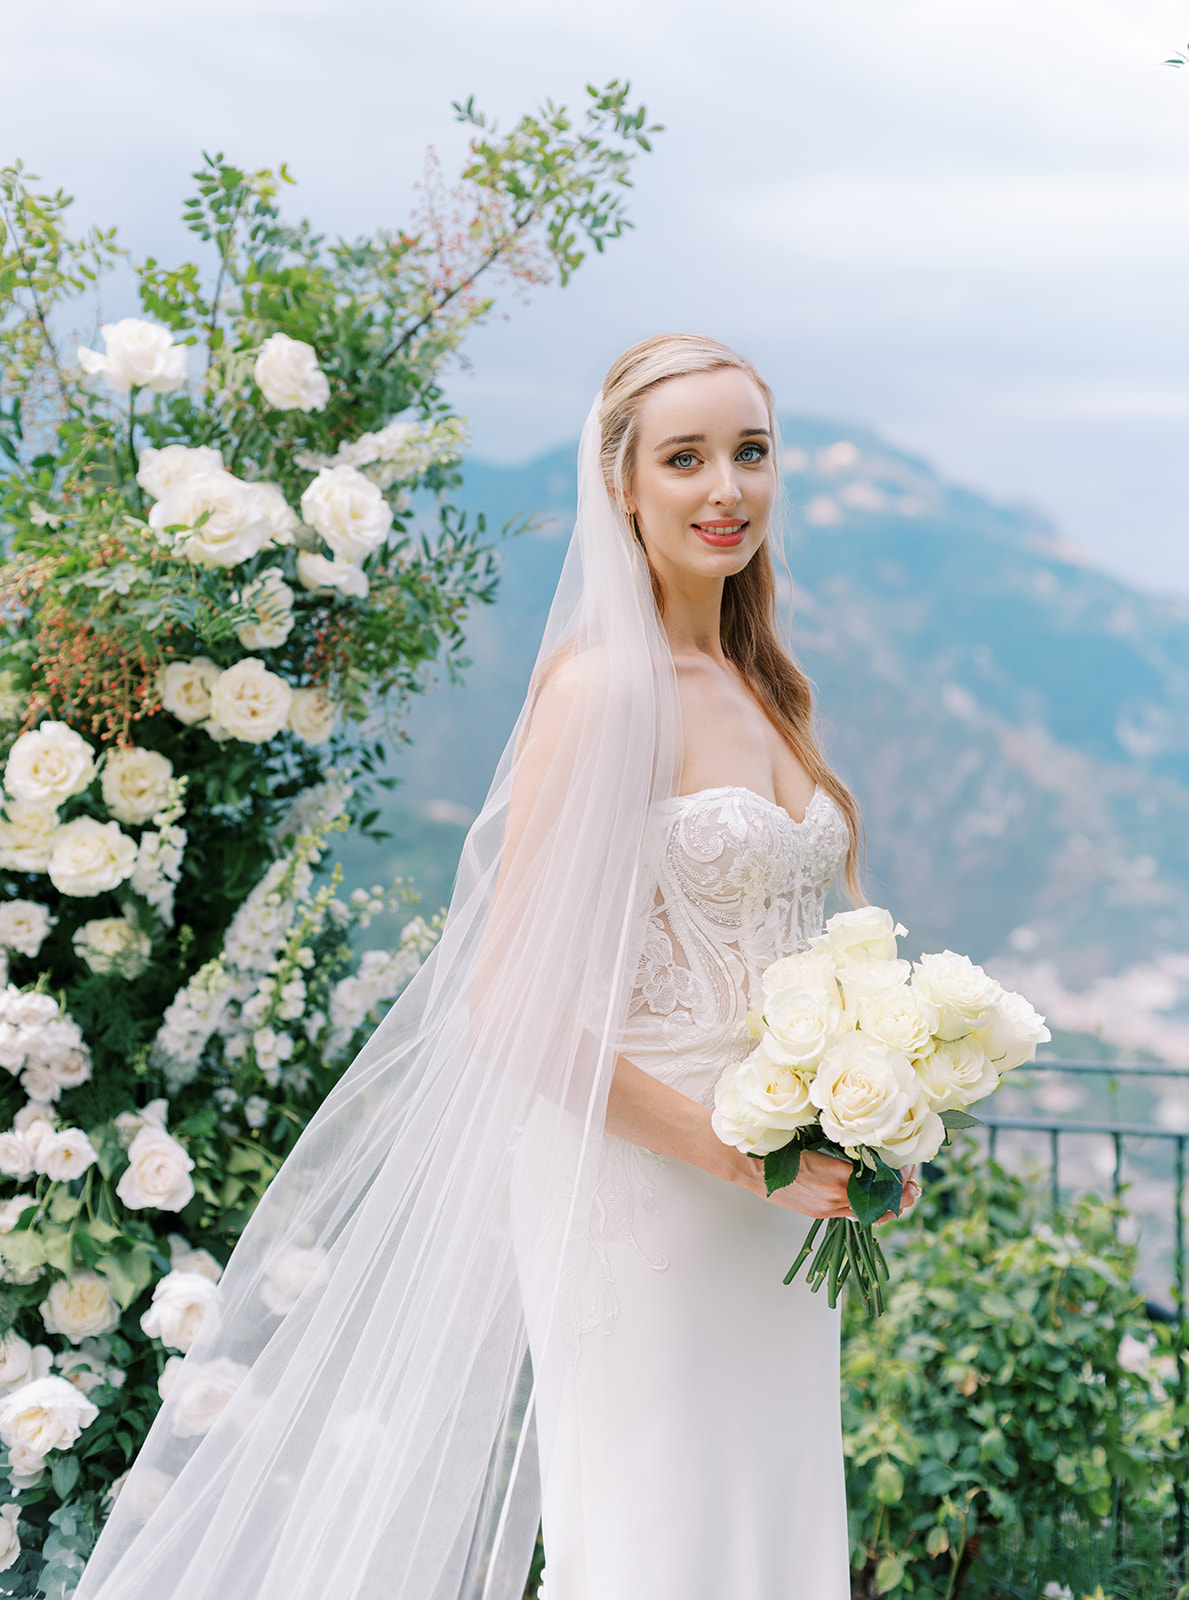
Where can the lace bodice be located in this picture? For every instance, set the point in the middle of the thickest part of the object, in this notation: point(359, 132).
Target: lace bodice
point(741, 885)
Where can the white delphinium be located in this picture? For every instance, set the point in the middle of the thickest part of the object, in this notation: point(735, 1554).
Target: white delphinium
point(158, 867)
point(135, 783)
point(113, 945)
point(272, 1048)
point(48, 764)
point(137, 355)
point(288, 375)
point(42, 1043)
point(190, 1020)
point(320, 804)
point(24, 925)
point(381, 976)
point(397, 452)
point(27, 836)
point(88, 857)
point(348, 511)
point(162, 470)
point(272, 599)
point(256, 1109)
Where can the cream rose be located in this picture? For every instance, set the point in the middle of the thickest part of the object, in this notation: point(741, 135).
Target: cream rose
point(25, 1468)
point(919, 1137)
point(272, 599)
point(276, 511)
point(22, 1362)
point(24, 925)
point(956, 1074)
point(179, 1305)
point(318, 572)
point(758, 1106)
point(865, 934)
point(288, 375)
point(136, 783)
point(10, 1544)
point(90, 857)
point(16, 1155)
point(810, 969)
point(80, 1306)
point(141, 1490)
point(48, 764)
point(168, 1375)
point(87, 1367)
point(965, 996)
point(900, 1018)
point(158, 1173)
point(1012, 1032)
point(161, 470)
point(348, 511)
point(800, 1023)
point(61, 1156)
point(200, 1395)
point(46, 1415)
point(113, 945)
point(216, 520)
point(312, 715)
point(863, 1090)
point(290, 1274)
point(186, 689)
point(185, 1258)
point(27, 836)
point(862, 980)
point(251, 702)
point(138, 355)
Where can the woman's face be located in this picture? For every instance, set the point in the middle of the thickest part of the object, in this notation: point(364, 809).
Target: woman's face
point(704, 482)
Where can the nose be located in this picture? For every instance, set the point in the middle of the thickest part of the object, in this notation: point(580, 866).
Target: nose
point(725, 493)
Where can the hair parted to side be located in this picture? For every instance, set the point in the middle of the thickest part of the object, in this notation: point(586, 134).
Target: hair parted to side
point(749, 633)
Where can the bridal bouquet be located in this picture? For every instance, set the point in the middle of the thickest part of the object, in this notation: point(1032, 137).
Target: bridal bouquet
point(863, 1057)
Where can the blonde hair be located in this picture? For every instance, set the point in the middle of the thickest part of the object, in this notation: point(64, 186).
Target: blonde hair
point(749, 628)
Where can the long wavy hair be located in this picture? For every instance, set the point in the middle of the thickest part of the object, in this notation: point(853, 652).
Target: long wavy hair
point(749, 626)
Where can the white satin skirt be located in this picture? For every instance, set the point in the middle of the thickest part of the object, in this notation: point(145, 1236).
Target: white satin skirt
point(695, 1441)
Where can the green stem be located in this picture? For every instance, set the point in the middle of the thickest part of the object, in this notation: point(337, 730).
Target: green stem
point(805, 1250)
point(133, 463)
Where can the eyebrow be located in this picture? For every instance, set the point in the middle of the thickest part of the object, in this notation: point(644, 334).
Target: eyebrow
point(700, 438)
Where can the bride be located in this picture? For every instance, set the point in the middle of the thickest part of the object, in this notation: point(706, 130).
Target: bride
point(535, 1281)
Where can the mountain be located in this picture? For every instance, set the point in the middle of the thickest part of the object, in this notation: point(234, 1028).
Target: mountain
point(1014, 723)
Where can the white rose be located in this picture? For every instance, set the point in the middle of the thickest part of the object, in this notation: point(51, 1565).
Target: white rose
point(141, 1490)
point(200, 1395)
point(80, 1306)
point(27, 836)
point(16, 1155)
point(919, 1137)
point(24, 925)
point(276, 511)
point(965, 996)
point(185, 1258)
point(318, 572)
point(66, 1071)
point(865, 934)
point(89, 857)
point(272, 599)
point(348, 511)
point(956, 1074)
point(288, 375)
point(1012, 1032)
point(810, 969)
point(11, 1211)
point(48, 764)
point(26, 1468)
point(129, 1123)
point(758, 1106)
point(312, 715)
point(186, 689)
point(22, 1362)
point(46, 1415)
point(251, 702)
point(113, 945)
point(138, 355)
point(800, 1024)
point(87, 1367)
point(136, 783)
point(62, 1156)
point(10, 1544)
point(163, 469)
point(39, 1082)
point(158, 1173)
point(179, 1305)
point(900, 1018)
point(168, 1375)
point(863, 1090)
point(237, 522)
point(290, 1273)
point(862, 980)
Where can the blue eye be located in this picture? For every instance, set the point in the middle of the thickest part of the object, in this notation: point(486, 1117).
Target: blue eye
point(752, 453)
point(683, 458)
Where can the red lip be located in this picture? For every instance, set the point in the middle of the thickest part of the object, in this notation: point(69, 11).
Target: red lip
point(722, 533)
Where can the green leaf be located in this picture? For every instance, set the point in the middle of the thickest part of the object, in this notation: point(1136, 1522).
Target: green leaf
point(889, 1574)
point(64, 1474)
point(129, 1273)
point(873, 1192)
point(959, 1119)
point(782, 1166)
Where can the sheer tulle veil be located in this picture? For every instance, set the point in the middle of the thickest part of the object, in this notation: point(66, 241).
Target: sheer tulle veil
point(384, 1437)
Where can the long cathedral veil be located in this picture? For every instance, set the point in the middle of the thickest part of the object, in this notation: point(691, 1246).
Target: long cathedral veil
point(379, 1436)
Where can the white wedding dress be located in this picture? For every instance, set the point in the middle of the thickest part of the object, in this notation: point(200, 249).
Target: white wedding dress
point(697, 1449)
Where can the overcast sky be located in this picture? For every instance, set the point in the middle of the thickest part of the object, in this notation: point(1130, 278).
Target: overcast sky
point(965, 222)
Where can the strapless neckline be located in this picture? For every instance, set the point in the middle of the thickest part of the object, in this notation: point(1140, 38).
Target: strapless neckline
point(772, 805)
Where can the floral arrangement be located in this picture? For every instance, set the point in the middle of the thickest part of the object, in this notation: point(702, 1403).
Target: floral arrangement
point(865, 1058)
point(229, 556)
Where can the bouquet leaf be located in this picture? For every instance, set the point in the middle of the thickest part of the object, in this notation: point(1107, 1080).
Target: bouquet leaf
point(873, 1192)
point(782, 1166)
point(953, 1120)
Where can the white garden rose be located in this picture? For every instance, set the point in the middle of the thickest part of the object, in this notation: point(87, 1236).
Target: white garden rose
point(800, 1024)
point(67, 1071)
point(22, 1362)
point(90, 857)
point(965, 996)
point(10, 1544)
point(272, 599)
point(186, 689)
point(161, 470)
point(862, 980)
point(46, 1415)
point(179, 1305)
point(251, 702)
point(136, 783)
point(169, 1375)
point(809, 969)
point(141, 1490)
point(288, 375)
point(48, 764)
point(113, 945)
point(956, 1074)
point(290, 1273)
point(1012, 1032)
point(24, 925)
point(11, 1211)
point(87, 1367)
point(312, 715)
point(200, 1395)
point(900, 1018)
point(26, 1468)
point(919, 1137)
point(138, 355)
point(863, 1090)
point(217, 520)
point(158, 1173)
point(319, 572)
point(348, 511)
point(27, 836)
point(865, 934)
point(185, 1258)
point(80, 1306)
point(39, 1082)
point(129, 1123)
point(758, 1106)
point(62, 1155)
point(16, 1155)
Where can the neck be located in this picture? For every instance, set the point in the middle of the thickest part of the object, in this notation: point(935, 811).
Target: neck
point(693, 612)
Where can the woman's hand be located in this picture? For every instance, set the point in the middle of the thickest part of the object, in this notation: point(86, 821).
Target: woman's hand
point(909, 1195)
point(819, 1190)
